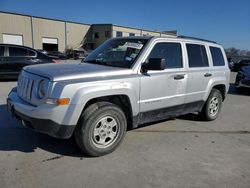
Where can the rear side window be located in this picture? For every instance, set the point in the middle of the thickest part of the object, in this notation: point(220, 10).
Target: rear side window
point(218, 59)
point(171, 52)
point(31, 53)
point(1, 51)
point(197, 55)
point(15, 51)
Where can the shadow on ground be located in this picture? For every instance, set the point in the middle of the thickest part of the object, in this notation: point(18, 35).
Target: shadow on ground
point(15, 137)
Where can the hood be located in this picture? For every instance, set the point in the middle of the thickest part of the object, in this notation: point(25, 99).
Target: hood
point(66, 71)
point(245, 70)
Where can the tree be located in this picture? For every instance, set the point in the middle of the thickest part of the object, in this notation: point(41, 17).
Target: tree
point(236, 52)
point(232, 51)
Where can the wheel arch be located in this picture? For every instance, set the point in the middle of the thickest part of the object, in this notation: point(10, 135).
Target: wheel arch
point(222, 89)
point(121, 100)
point(218, 83)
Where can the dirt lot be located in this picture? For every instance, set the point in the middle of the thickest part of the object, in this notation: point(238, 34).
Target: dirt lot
point(181, 152)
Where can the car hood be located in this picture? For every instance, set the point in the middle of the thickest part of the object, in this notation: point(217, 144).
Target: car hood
point(67, 71)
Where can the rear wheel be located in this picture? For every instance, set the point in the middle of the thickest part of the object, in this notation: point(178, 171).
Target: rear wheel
point(101, 129)
point(212, 107)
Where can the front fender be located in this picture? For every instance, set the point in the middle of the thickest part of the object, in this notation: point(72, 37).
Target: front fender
point(87, 92)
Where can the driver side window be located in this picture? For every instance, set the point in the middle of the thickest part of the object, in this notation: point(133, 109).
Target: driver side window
point(171, 52)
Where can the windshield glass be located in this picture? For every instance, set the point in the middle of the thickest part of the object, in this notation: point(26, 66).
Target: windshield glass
point(117, 52)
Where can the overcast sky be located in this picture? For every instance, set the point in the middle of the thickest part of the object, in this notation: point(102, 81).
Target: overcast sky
point(224, 21)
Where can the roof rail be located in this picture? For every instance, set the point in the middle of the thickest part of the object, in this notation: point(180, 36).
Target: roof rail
point(187, 37)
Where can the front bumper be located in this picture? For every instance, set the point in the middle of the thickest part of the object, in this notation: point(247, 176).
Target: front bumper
point(29, 116)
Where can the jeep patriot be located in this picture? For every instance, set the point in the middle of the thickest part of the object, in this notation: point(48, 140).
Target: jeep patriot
point(124, 83)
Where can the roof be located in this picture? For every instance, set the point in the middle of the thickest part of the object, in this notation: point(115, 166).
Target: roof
point(168, 37)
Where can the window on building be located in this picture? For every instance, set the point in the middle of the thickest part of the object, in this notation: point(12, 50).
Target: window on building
point(171, 52)
point(217, 56)
point(107, 34)
point(14, 51)
point(131, 34)
point(197, 56)
point(118, 34)
point(50, 44)
point(1, 51)
point(96, 35)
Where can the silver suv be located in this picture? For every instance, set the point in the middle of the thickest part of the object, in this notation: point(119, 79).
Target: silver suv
point(124, 83)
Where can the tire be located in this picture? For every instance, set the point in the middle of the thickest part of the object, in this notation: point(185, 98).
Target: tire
point(212, 107)
point(101, 129)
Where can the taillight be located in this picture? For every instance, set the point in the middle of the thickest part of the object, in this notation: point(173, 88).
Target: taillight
point(56, 60)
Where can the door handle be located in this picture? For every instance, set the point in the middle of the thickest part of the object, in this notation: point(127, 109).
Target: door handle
point(207, 74)
point(179, 77)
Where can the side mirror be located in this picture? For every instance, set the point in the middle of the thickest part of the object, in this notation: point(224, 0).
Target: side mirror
point(154, 64)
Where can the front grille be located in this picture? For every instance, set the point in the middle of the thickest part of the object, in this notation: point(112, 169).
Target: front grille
point(24, 87)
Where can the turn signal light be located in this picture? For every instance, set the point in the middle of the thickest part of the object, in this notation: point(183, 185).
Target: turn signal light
point(63, 101)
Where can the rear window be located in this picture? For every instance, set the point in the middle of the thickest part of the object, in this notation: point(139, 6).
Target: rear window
point(1, 51)
point(217, 56)
point(15, 51)
point(197, 56)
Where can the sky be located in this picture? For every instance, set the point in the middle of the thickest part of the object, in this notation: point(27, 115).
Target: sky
point(224, 21)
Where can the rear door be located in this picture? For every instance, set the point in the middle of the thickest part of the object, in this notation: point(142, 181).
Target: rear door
point(199, 74)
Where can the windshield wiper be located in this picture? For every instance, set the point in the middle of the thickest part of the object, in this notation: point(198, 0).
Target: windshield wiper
point(95, 61)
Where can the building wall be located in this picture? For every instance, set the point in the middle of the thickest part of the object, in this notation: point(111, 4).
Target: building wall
point(16, 25)
point(151, 33)
point(137, 32)
point(168, 35)
point(68, 34)
point(77, 34)
point(100, 29)
point(49, 29)
point(126, 31)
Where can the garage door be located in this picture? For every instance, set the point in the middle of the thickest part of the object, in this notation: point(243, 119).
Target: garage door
point(50, 44)
point(13, 39)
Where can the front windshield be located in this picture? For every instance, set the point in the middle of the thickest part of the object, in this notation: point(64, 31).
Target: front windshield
point(117, 52)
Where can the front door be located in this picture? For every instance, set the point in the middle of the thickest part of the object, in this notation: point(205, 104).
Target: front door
point(163, 92)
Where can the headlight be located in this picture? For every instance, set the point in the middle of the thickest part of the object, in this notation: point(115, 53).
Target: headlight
point(42, 89)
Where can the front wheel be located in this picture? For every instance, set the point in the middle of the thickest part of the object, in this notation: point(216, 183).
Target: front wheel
point(101, 128)
point(212, 107)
